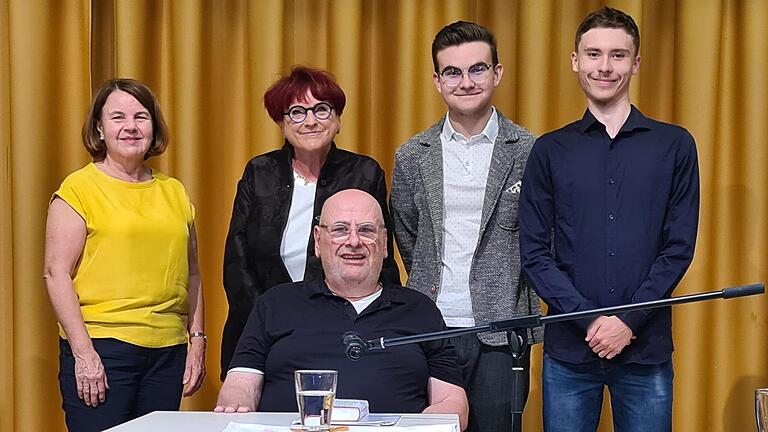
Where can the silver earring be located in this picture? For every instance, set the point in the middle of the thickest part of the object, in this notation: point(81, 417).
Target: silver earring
point(101, 135)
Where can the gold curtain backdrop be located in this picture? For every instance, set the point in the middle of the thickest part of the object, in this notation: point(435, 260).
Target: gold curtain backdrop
point(209, 62)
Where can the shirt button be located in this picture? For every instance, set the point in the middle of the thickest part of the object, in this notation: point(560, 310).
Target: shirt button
point(611, 181)
point(433, 289)
point(612, 253)
point(612, 290)
point(611, 216)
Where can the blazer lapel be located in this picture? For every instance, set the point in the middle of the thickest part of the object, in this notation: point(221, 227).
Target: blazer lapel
point(503, 160)
point(431, 171)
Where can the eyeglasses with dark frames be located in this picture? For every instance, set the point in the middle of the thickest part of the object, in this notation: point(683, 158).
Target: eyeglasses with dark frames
point(297, 113)
point(477, 73)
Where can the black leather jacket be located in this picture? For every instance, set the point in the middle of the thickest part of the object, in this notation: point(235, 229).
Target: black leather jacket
point(252, 262)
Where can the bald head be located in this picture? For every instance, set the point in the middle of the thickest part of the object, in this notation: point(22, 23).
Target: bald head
point(351, 242)
point(351, 201)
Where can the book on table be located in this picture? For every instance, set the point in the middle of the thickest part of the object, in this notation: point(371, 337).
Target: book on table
point(349, 410)
point(356, 412)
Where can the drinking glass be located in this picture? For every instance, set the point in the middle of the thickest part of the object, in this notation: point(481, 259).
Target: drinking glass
point(315, 392)
point(761, 409)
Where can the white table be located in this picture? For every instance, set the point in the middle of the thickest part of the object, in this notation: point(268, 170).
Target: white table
point(207, 421)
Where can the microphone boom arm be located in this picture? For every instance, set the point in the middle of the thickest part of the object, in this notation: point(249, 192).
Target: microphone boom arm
point(359, 346)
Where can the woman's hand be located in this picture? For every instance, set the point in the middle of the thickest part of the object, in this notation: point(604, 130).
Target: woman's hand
point(90, 377)
point(194, 371)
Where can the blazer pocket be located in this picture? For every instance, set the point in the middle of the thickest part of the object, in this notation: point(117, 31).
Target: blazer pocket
point(506, 216)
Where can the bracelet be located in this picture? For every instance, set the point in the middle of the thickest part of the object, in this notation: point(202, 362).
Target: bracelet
point(198, 334)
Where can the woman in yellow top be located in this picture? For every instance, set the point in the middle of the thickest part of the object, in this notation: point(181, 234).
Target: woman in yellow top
point(121, 270)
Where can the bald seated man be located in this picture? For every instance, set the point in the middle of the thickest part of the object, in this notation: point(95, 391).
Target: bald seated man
point(301, 325)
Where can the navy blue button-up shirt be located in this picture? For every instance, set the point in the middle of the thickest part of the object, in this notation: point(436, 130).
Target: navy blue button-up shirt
point(622, 214)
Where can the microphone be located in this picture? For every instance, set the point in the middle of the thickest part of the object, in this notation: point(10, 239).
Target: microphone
point(354, 345)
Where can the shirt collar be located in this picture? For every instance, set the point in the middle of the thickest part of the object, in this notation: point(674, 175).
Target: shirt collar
point(636, 120)
point(317, 287)
point(490, 131)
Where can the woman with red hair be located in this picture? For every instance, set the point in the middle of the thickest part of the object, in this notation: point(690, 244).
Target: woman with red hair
point(281, 194)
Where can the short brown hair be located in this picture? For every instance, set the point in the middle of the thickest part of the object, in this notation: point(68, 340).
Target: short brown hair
point(95, 146)
point(294, 86)
point(609, 18)
point(462, 32)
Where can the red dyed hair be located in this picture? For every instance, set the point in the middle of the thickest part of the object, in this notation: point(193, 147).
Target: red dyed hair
point(287, 89)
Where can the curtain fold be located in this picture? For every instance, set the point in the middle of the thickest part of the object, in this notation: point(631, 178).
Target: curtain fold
point(7, 381)
point(210, 62)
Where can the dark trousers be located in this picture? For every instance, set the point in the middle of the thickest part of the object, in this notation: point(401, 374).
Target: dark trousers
point(487, 374)
point(141, 380)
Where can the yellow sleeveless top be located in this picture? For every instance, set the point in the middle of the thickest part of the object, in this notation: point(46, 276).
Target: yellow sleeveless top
point(133, 274)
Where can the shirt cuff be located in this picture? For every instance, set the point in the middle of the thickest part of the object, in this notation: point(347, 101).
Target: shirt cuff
point(245, 370)
point(634, 320)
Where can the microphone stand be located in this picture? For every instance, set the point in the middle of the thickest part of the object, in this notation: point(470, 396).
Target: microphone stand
point(517, 334)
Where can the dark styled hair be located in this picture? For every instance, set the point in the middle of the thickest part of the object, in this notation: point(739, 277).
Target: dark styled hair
point(459, 33)
point(609, 18)
point(95, 146)
point(320, 83)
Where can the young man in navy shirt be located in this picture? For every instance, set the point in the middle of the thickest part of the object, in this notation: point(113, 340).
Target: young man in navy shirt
point(618, 195)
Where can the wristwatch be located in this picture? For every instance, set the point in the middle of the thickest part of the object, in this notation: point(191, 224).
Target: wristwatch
point(198, 334)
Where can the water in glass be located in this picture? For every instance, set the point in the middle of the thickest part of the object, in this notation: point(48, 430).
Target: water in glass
point(315, 392)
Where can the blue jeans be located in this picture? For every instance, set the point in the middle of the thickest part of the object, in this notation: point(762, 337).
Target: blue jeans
point(141, 380)
point(487, 372)
point(641, 396)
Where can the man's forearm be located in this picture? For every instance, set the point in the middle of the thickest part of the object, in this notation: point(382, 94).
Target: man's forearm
point(241, 392)
point(451, 406)
point(445, 398)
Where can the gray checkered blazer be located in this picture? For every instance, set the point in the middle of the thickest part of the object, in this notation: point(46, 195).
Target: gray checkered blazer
point(496, 285)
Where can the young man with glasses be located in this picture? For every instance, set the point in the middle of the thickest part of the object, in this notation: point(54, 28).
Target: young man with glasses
point(454, 198)
point(618, 195)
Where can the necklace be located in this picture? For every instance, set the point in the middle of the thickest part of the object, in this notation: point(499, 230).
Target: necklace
point(298, 176)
